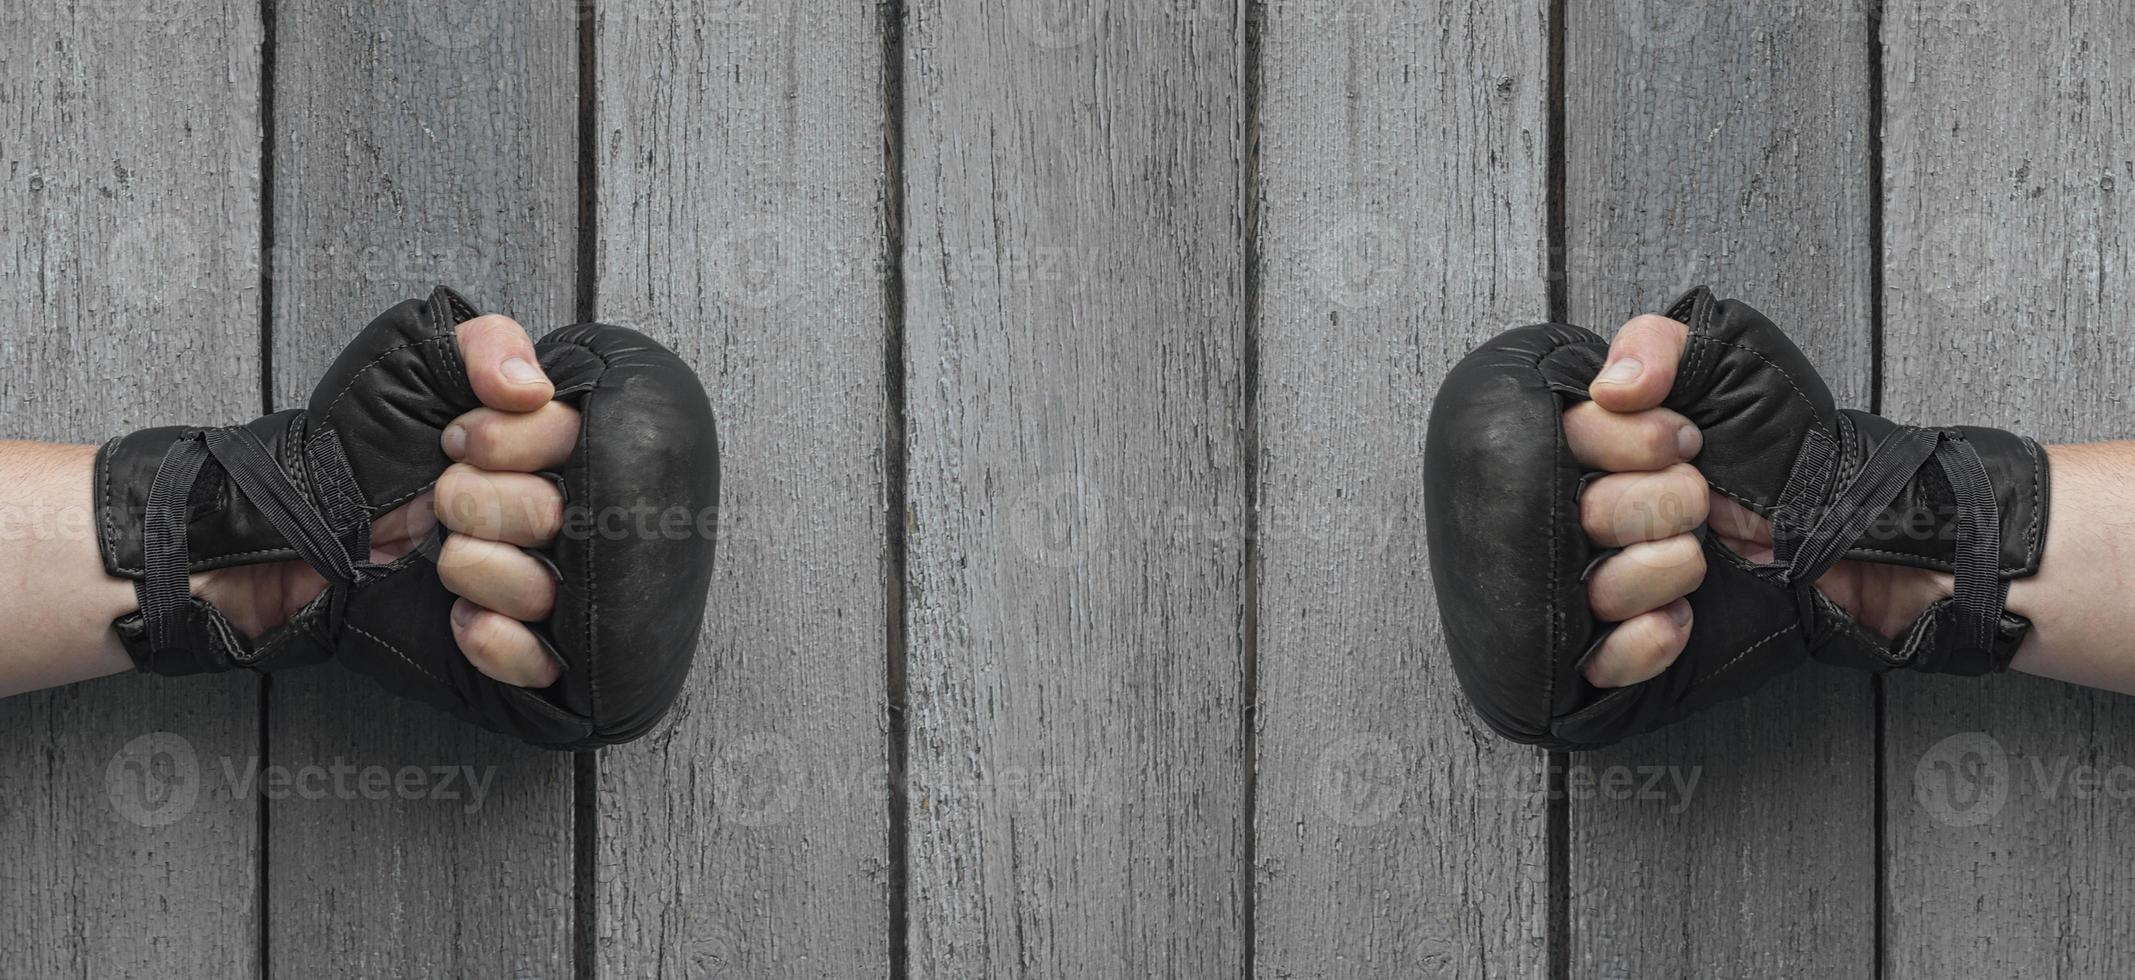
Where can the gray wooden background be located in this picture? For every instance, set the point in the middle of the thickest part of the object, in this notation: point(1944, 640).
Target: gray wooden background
point(1072, 361)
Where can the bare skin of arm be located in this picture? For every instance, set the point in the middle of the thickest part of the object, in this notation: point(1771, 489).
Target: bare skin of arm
point(59, 604)
point(2081, 618)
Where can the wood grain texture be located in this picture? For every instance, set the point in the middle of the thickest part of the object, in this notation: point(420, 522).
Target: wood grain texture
point(1727, 144)
point(416, 143)
point(1396, 835)
point(742, 204)
point(2007, 297)
point(129, 237)
point(1075, 598)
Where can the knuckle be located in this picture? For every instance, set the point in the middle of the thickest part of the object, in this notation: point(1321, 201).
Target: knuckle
point(1686, 492)
point(1659, 441)
point(1693, 564)
point(1657, 328)
point(1629, 655)
point(460, 559)
point(1679, 552)
point(1657, 645)
point(481, 434)
point(561, 423)
point(451, 557)
point(495, 325)
point(459, 492)
point(1578, 428)
point(1600, 597)
point(1594, 509)
point(478, 640)
point(541, 599)
point(450, 484)
point(548, 514)
point(1645, 322)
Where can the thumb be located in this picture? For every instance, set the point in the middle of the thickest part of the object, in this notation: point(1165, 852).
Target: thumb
point(501, 364)
point(1641, 364)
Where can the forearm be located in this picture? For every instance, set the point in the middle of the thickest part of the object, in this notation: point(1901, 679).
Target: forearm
point(2079, 603)
point(56, 602)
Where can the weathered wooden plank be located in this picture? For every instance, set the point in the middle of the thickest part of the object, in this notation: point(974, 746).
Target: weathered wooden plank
point(416, 143)
point(1076, 403)
point(1727, 144)
point(2007, 291)
point(1402, 194)
point(129, 233)
point(742, 193)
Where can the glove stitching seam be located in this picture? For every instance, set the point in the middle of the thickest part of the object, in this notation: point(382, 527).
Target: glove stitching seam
point(403, 498)
point(1774, 365)
point(1556, 619)
point(373, 364)
point(111, 546)
point(2031, 447)
point(1937, 564)
point(592, 603)
point(586, 573)
point(451, 356)
point(1698, 354)
point(396, 652)
point(200, 563)
point(1746, 651)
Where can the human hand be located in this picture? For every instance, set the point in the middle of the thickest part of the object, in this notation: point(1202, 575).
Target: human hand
point(491, 499)
point(1653, 498)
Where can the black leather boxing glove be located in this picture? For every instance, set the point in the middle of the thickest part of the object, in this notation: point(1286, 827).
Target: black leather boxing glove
point(307, 483)
point(1509, 558)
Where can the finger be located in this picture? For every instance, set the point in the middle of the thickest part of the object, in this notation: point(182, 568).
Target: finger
point(501, 647)
point(515, 508)
point(1641, 647)
point(1649, 440)
point(1646, 576)
point(1641, 364)
point(501, 364)
point(395, 532)
point(1740, 527)
point(1621, 508)
point(515, 442)
point(496, 576)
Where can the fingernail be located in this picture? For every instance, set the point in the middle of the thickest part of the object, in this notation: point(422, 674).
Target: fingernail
point(1622, 372)
point(1688, 440)
point(455, 441)
point(462, 613)
point(519, 372)
point(1680, 613)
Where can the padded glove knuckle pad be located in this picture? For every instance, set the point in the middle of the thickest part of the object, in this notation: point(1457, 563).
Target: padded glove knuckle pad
point(1509, 558)
point(633, 561)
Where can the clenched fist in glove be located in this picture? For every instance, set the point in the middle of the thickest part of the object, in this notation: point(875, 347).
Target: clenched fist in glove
point(1827, 533)
point(565, 631)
